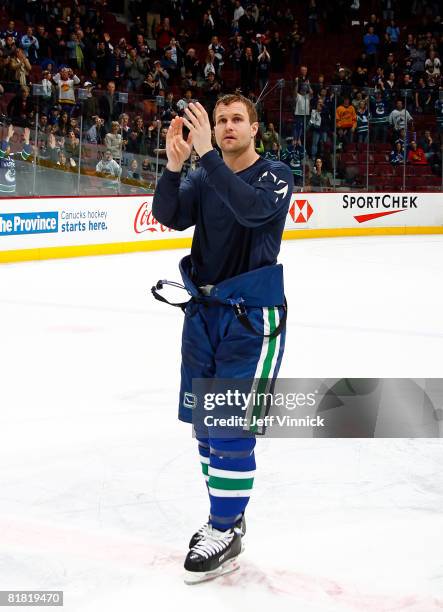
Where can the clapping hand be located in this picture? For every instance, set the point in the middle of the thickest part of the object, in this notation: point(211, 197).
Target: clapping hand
point(177, 148)
point(197, 121)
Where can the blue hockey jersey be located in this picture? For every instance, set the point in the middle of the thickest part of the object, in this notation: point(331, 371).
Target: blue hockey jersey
point(7, 166)
point(239, 217)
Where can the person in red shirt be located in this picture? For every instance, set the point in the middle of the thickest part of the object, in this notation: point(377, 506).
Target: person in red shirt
point(164, 33)
point(416, 155)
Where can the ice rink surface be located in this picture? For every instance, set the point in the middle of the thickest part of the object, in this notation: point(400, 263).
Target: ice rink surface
point(100, 485)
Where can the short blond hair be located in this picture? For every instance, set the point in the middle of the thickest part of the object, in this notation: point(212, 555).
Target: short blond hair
point(228, 99)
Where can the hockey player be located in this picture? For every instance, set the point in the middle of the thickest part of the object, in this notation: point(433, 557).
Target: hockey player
point(8, 160)
point(234, 324)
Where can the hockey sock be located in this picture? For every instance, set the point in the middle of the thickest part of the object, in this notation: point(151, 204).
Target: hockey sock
point(203, 451)
point(231, 474)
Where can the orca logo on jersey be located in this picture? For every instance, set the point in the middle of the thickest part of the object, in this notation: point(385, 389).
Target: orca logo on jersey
point(189, 400)
point(283, 191)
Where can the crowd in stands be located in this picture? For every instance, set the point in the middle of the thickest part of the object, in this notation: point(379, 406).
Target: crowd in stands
point(176, 51)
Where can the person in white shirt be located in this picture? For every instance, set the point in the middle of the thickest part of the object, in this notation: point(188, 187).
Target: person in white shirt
point(399, 119)
point(108, 167)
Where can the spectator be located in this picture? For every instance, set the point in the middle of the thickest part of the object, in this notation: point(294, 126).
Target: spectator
point(430, 147)
point(125, 128)
point(72, 148)
point(47, 99)
point(274, 153)
point(206, 27)
point(263, 67)
point(393, 31)
point(211, 64)
point(10, 32)
point(133, 171)
point(371, 42)
point(150, 88)
point(97, 132)
point(58, 46)
point(434, 61)
point(75, 48)
point(248, 71)
point(164, 33)
point(399, 119)
point(423, 97)
point(313, 27)
point(211, 89)
point(169, 109)
point(20, 108)
point(219, 51)
point(341, 78)
point(319, 177)
point(8, 161)
point(20, 67)
point(362, 122)
point(134, 69)
point(114, 141)
point(270, 137)
point(108, 167)
point(277, 52)
point(161, 76)
point(416, 155)
point(90, 106)
point(66, 80)
point(397, 155)
point(9, 47)
point(191, 63)
point(346, 122)
point(30, 45)
point(296, 41)
point(177, 53)
point(302, 109)
point(62, 125)
point(138, 138)
point(110, 107)
point(293, 155)
point(185, 101)
point(137, 29)
point(168, 64)
point(63, 163)
point(318, 125)
point(153, 17)
point(379, 118)
point(239, 11)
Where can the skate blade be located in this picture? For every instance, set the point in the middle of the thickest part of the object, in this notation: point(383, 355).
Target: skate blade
point(230, 566)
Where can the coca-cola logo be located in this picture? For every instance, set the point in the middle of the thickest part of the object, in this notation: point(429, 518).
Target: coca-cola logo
point(146, 222)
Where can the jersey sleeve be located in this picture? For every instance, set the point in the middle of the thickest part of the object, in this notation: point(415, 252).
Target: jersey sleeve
point(175, 201)
point(266, 199)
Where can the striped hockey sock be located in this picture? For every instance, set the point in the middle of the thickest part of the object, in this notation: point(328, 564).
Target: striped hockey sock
point(231, 476)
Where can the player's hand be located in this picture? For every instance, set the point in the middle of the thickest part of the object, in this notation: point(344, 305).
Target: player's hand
point(10, 131)
point(177, 148)
point(197, 121)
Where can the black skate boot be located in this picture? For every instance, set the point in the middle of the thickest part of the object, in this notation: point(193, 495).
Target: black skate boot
point(213, 556)
point(198, 535)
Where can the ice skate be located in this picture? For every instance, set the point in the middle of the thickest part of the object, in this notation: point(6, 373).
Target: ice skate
point(214, 555)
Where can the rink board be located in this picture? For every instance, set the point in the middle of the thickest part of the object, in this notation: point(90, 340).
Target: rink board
point(54, 227)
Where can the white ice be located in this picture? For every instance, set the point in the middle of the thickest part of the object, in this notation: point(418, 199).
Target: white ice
point(100, 486)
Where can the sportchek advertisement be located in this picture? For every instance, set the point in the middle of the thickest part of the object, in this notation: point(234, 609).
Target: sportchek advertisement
point(63, 222)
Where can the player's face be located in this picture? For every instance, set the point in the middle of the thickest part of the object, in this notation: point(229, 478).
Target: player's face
point(233, 130)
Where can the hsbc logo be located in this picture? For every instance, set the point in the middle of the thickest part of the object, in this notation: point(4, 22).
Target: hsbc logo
point(301, 211)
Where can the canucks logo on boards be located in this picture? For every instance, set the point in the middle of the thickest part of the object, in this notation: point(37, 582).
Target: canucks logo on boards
point(282, 185)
